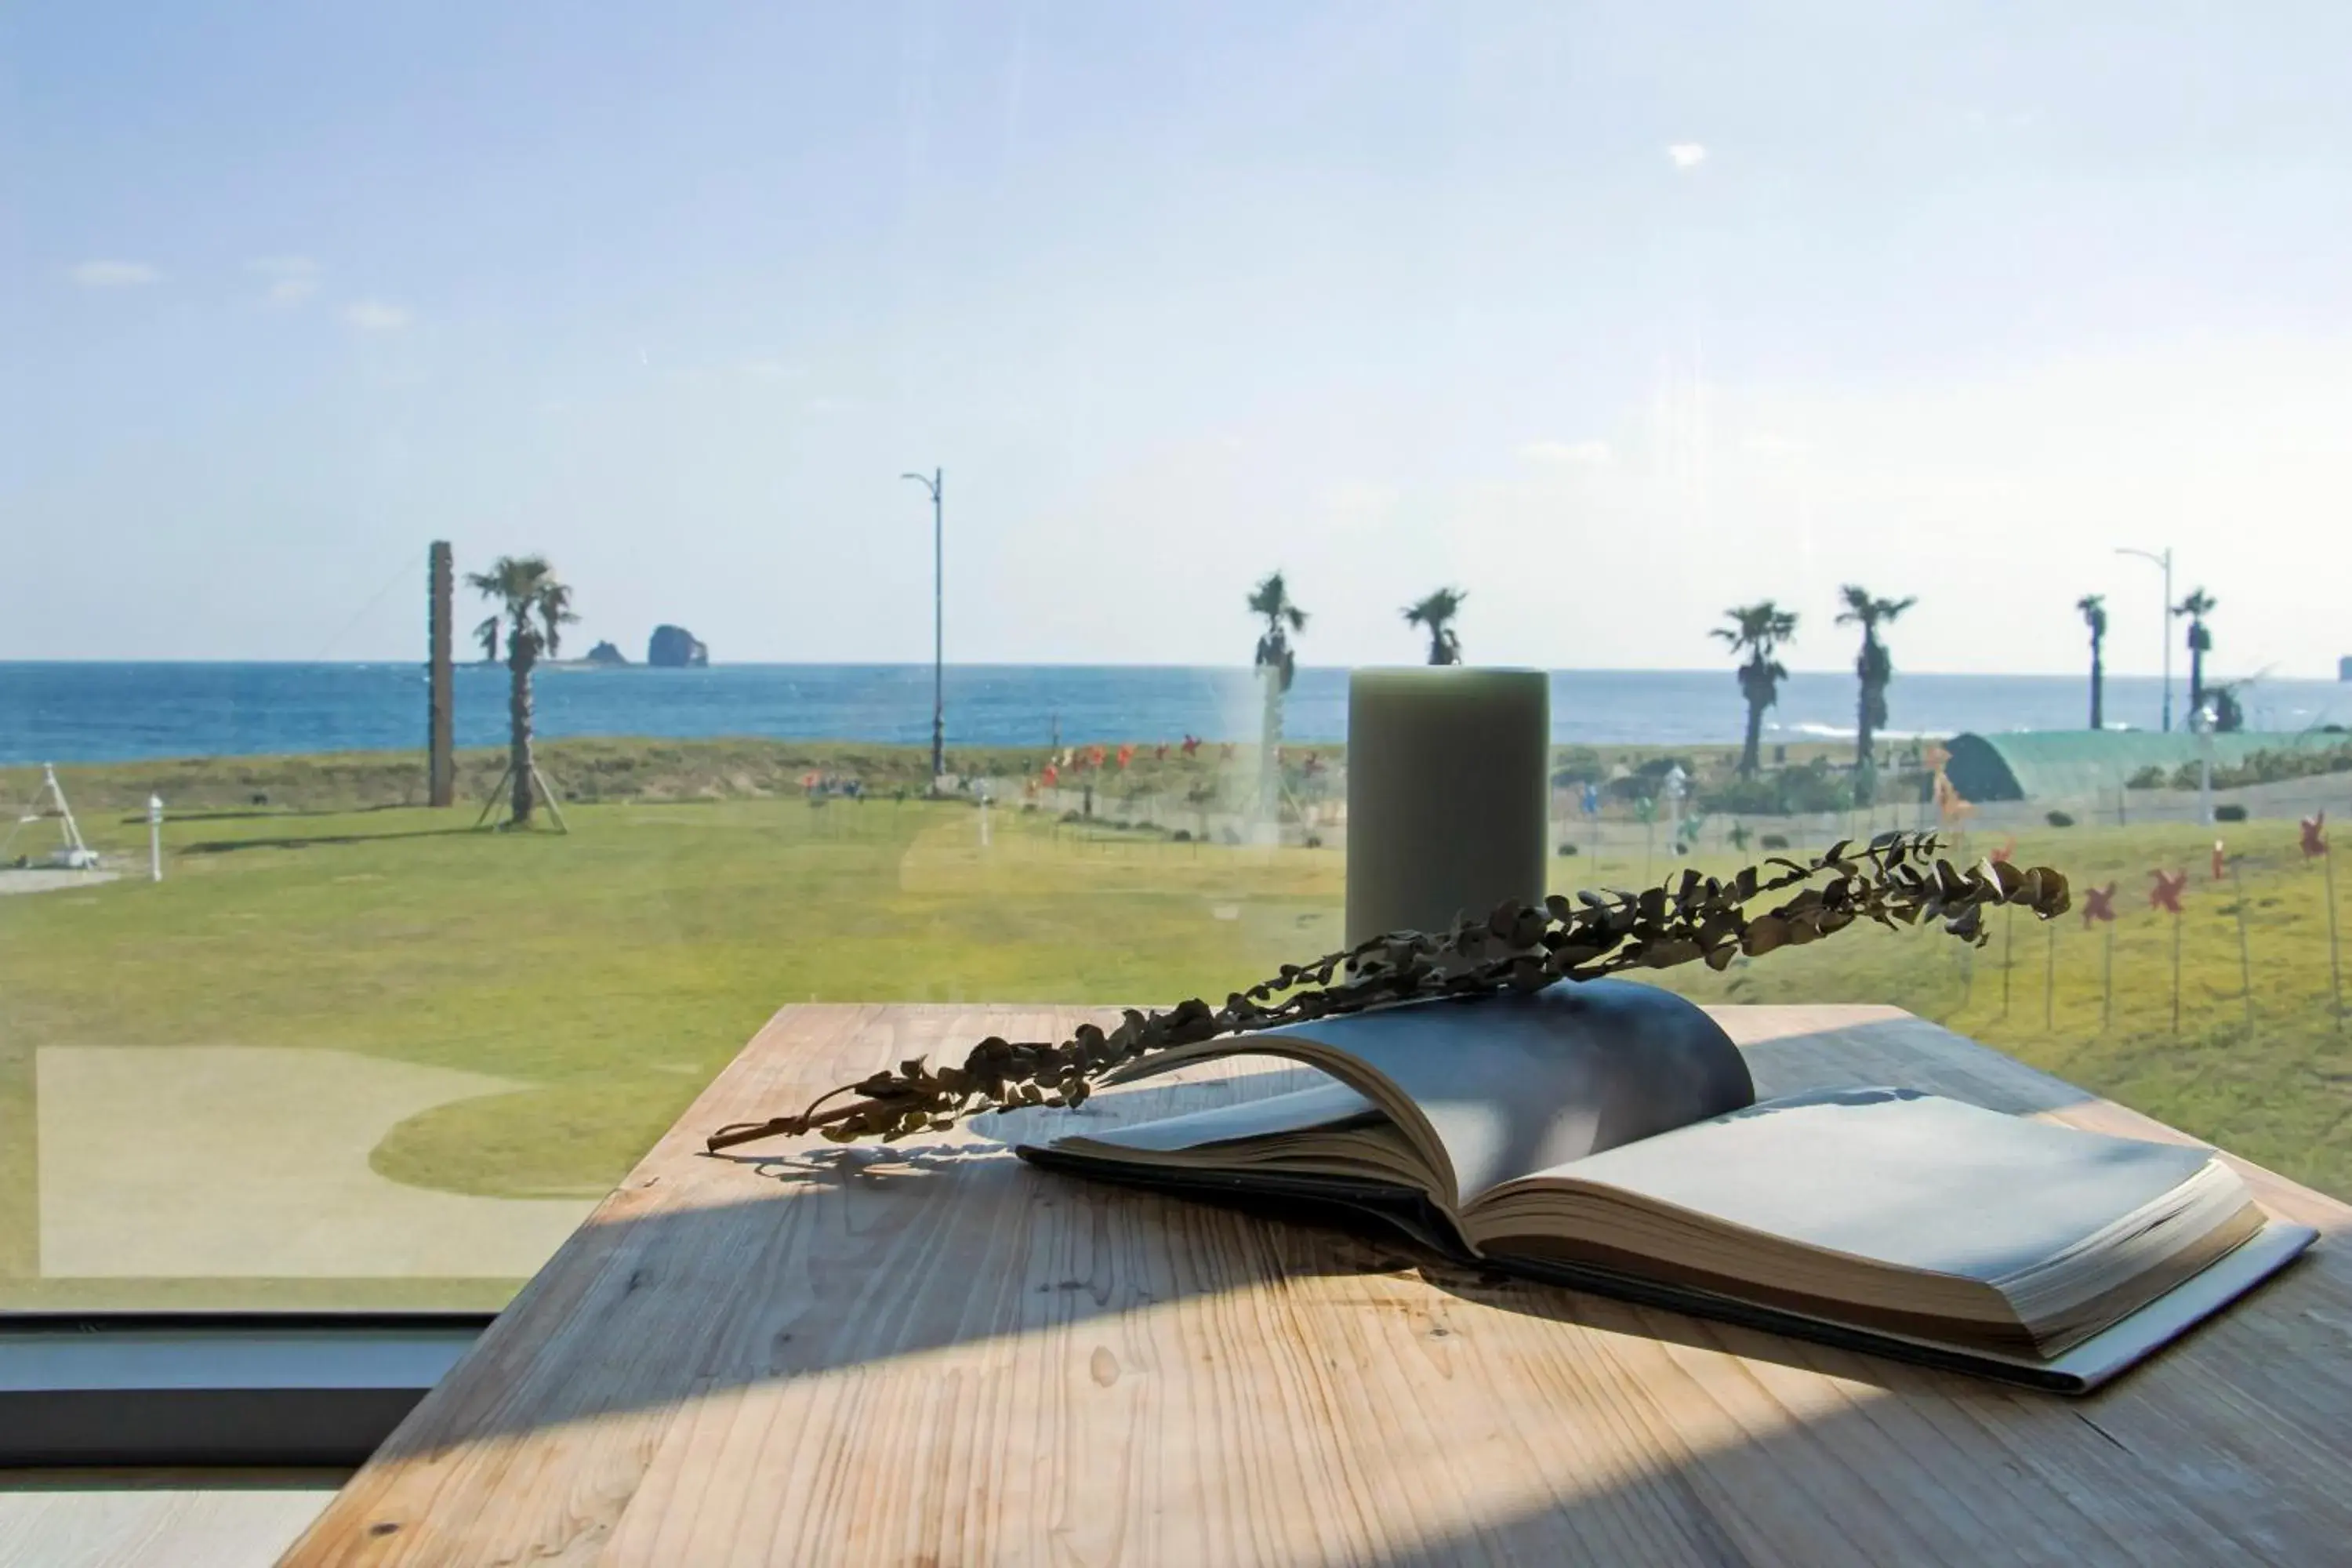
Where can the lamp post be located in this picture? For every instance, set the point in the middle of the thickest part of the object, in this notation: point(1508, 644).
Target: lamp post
point(2202, 723)
point(934, 483)
point(2164, 560)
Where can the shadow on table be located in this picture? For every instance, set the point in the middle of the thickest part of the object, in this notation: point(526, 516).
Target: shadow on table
point(839, 1258)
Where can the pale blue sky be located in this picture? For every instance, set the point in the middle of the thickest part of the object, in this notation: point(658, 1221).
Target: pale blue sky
point(1951, 304)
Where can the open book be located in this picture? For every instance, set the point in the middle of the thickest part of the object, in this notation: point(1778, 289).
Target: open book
point(1607, 1135)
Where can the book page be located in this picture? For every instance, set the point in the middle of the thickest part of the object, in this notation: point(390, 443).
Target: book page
point(1509, 1084)
point(1325, 1105)
point(1899, 1177)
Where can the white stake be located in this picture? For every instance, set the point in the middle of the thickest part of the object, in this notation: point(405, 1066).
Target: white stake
point(154, 837)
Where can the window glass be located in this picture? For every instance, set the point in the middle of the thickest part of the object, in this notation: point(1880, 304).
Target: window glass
point(1871, 420)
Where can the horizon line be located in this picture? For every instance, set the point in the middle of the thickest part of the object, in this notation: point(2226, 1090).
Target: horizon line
point(2177, 678)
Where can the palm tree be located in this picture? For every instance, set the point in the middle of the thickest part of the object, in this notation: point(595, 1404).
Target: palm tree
point(2196, 607)
point(536, 607)
point(487, 634)
point(1271, 599)
point(2228, 713)
point(1276, 665)
point(1875, 670)
point(1760, 628)
point(2094, 615)
point(1435, 614)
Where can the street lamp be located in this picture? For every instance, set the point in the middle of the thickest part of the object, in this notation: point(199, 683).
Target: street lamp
point(933, 483)
point(2202, 722)
point(2164, 560)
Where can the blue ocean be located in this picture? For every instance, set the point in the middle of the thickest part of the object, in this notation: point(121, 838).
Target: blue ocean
point(90, 712)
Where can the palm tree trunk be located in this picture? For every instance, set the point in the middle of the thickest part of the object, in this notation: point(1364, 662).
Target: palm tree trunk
point(1748, 751)
point(1269, 774)
point(519, 757)
point(1862, 747)
point(2196, 677)
point(2099, 689)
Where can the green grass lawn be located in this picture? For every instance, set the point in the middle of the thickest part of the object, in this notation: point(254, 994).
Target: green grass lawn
point(2277, 1089)
point(615, 970)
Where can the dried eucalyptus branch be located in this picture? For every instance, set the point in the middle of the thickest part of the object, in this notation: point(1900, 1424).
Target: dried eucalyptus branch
point(1896, 880)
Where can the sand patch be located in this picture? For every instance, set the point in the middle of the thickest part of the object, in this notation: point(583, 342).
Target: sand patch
point(14, 879)
point(243, 1162)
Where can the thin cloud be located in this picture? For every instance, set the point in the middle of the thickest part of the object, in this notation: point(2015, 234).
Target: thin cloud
point(1764, 444)
point(1687, 154)
point(112, 274)
point(375, 316)
point(292, 279)
point(1353, 504)
point(1569, 454)
point(771, 369)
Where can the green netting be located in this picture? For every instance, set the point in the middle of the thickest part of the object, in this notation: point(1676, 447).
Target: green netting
point(2060, 764)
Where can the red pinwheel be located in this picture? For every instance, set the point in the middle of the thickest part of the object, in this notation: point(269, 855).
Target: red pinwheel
point(2098, 904)
point(2165, 894)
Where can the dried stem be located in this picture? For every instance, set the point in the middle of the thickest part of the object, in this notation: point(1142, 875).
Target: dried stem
point(1897, 881)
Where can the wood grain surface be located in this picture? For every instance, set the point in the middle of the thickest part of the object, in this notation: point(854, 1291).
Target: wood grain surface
point(935, 1355)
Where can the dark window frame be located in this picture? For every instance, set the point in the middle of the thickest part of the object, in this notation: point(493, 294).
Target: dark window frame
point(238, 1388)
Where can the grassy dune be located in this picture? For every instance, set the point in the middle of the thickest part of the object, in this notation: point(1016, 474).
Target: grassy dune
point(588, 770)
point(615, 970)
point(624, 768)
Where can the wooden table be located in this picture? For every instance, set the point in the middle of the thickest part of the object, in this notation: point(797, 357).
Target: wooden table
point(945, 1357)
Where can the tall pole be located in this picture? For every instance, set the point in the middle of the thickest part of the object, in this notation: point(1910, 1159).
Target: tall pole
point(939, 624)
point(2164, 560)
point(440, 739)
point(2165, 621)
point(936, 482)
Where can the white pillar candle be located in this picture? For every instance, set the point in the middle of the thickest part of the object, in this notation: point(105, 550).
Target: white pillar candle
point(1448, 795)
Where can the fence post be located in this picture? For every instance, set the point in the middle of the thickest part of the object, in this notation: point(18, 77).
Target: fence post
point(2008, 945)
point(2175, 978)
point(2246, 962)
point(2335, 955)
point(2050, 975)
point(2107, 1003)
